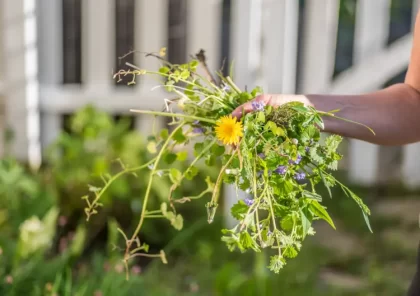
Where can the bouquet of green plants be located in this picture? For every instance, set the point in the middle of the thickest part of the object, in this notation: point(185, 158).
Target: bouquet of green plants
point(273, 153)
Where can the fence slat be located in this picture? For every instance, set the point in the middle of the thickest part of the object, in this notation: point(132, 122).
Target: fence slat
point(50, 31)
point(204, 30)
point(151, 29)
point(98, 31)
point(69, 98)
point(319, 44)
point(50, 61)
point(21, 66)
point(246, 42)
point(280, 30)
point(371, 34)
point(375, 70)
point(51, 124)
point(411, 166)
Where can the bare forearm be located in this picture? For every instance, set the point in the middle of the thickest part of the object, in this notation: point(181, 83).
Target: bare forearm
point(393, 113)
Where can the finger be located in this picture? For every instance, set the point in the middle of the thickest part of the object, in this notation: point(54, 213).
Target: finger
point(241, 110)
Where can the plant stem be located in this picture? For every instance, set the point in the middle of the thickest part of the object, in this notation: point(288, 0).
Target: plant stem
point(115, 177)
point(233, 85)
point(344, 119)
point(174, 115)
point(149, 186)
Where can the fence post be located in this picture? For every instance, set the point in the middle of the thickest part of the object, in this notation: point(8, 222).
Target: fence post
point(371, 34)
point(280, 35)
point(50, 28)
point(21, 66)
point(151, 34)
point(319, 44)
point(204, 30)
point(98, 45)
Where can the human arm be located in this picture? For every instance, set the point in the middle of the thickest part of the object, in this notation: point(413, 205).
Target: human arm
point(393, 113)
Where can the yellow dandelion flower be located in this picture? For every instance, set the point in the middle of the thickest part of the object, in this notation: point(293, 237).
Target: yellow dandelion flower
point(228, 130)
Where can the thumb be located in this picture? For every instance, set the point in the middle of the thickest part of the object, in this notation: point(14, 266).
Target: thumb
point(242, 110)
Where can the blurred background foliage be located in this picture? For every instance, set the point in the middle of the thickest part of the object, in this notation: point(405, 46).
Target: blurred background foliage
point(48, 248)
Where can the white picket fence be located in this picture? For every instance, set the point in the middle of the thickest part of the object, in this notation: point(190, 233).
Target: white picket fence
point(264, 46)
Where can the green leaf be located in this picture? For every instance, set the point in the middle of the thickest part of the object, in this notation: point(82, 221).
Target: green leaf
point(179, 137)
point(318, 210)
point(325, 182)
point(260, 117)
point(182, 155)
point(306, 219)
point(300, 108)
point(175, 175)
point(276, 263)
point(210, 160)
point(170, 158)
point(164, 134)
point(198, 148)
point(332, 142)
point(185, 74)
point(164, 70)
point(287, 223)
point(290, 252)
point(239, 209)
point(178, 222)
point(217, 150)
point(191, 173)
point(365, 216)
point(194, 64)
point(284, 188)
point(151, 147)
point(246, 240)
point(333, 165)
point(312, 195)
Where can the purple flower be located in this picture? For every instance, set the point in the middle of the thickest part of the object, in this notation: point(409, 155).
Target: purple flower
point(297, 161)
point(226, 88)
point(258, 105)
point(281, 170)
point(196, 122)
point(300, 176)
point(198, 130)
point(248, 202)
point(261, 155)
point(307, 149)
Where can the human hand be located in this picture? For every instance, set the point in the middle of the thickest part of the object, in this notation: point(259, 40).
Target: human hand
point(274, 100)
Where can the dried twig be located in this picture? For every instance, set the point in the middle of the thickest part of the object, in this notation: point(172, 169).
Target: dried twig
point(202, 59)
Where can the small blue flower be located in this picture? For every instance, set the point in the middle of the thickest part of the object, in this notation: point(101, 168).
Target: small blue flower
point(258, 105)
point(248, 202)
point(261, 155)
point(300, 176)
point(281, 170)
point(196, 122)
point(226, 88)
point(297, 161)
point(198, 130)
point(307, 149)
